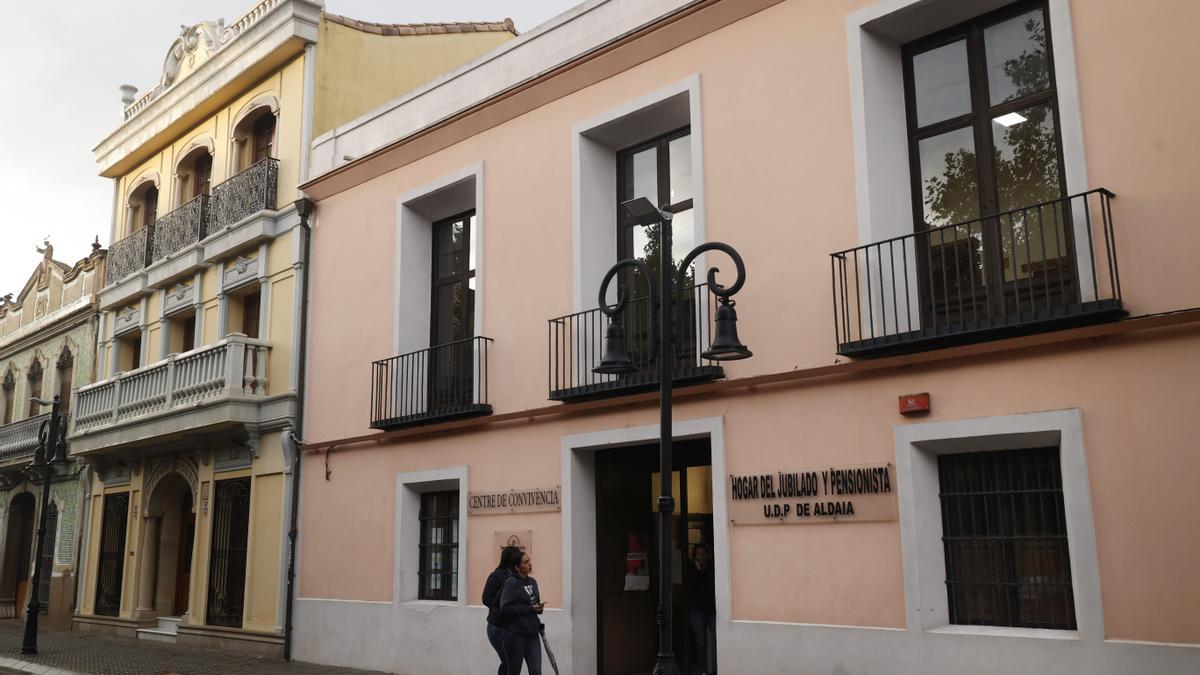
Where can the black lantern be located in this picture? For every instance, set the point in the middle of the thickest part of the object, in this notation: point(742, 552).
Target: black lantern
point(614, 361)
point(726, 346)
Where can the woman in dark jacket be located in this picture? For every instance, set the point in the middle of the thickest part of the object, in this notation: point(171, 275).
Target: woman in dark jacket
point(521, 603)
point(510, 557)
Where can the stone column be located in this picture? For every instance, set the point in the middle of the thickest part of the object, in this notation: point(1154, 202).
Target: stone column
point(149, 567)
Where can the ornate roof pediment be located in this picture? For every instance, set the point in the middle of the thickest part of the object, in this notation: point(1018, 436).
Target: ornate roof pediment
point(193, 47)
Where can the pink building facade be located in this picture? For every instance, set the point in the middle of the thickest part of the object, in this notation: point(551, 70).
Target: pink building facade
point(1035, 516)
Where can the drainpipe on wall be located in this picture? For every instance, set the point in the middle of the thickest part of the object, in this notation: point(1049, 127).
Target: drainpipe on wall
point(304, 207)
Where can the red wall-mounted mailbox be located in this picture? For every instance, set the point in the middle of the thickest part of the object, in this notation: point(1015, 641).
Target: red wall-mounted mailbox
point(911, 404)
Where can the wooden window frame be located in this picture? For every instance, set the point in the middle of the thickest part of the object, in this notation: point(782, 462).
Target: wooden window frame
point(979, 118)
point(463, 275)
point(625, 222)
point(450, 572)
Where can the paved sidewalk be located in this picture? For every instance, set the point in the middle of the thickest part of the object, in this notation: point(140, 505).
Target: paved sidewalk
point(73, 652)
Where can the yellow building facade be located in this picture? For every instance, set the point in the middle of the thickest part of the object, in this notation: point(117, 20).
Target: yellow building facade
point(191, 423)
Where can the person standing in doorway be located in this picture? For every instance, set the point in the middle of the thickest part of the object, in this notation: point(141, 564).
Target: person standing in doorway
point(521, 603)
point(701, 588)
point(510, 557)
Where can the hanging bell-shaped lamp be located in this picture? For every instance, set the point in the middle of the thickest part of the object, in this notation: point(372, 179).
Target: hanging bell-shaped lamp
point(725, 345)
point(614, 360)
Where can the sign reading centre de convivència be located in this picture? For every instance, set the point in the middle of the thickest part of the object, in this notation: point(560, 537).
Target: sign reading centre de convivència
point(515, 500)
point(831, 494)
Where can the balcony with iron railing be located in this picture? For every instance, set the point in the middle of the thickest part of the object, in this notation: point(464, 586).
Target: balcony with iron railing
point(19, 439)
point(1038, 268)
point(211, 386)
point(236, 199)
point(183, 227)
point(129, 255)
point(577, 344)
point(244, 194)
point(443, 382)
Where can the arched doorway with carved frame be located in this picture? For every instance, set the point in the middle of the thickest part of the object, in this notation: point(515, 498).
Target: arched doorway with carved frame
point(168, 542)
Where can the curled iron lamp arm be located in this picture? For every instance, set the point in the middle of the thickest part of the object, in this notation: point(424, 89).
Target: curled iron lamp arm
point(613, 312)
point(717, 289)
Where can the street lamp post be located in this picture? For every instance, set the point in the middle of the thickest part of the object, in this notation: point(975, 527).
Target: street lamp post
point(725, 347)
point(54, 432)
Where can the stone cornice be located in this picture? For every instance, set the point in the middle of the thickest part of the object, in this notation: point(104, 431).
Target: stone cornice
point(174, 103)
point(71, 316)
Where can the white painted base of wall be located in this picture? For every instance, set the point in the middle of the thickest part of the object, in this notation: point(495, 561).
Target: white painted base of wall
point(434, 638)
point(409, 638)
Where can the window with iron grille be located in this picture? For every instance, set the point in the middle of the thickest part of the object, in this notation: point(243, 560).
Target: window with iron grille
point(438, 567)
point(1005, 537)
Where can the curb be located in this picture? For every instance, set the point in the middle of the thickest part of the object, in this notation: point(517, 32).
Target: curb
point(29, 667)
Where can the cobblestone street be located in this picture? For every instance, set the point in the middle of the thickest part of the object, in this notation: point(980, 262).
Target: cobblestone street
point(90, 654)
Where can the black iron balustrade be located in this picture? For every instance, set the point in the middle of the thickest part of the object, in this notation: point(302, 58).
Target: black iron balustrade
point(1040, 267)
point(577, 344)
point(244, 194)
point(442, 382)
point(129, 255)
point(181, 228)
point(19, 439)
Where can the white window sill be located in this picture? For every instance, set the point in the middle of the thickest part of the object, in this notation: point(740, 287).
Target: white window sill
point(1004, 631)
point(431, 604)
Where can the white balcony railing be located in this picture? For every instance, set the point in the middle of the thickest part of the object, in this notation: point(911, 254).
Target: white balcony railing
point(235, 367)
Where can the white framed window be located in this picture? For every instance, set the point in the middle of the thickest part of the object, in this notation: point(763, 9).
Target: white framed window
point(454, 198)
point(431, 547)
point(596, 144)
point(924, 479)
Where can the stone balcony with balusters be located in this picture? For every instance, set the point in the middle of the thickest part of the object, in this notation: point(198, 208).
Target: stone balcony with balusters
point(215, 389)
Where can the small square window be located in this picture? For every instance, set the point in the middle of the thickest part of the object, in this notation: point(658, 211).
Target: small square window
point(1004, 534)
point(437, 570)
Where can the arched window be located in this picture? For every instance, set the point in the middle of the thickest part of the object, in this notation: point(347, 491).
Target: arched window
point(143, 206)
point(254, 135)
point(35, 387)
point(195, 174)
point(8, 391)
point(66, 373)
point(263, 138)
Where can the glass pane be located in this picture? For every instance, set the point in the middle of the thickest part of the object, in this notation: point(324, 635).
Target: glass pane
point(449, 249)
point(1017, 63)
point(949, 179)
point(640, 175)
point(1027, 173)
point(941, 83)
point(454, 312)
point(680, 152)
point(683, 233)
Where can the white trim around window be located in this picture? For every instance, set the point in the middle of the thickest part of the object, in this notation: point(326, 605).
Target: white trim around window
point(874, 35)
point(594, 146)
point(416, 211)
point(409, 487)
point(917, 449)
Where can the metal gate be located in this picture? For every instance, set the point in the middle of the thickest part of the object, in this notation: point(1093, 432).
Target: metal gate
point(112, 554)
point(48, 556)
point(227, 567)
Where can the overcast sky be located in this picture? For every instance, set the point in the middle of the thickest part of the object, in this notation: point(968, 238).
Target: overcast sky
point(60, 66)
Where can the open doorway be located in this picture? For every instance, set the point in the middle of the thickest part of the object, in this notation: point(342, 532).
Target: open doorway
point(18, 543)
point(627, 578)
point(170, 531)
